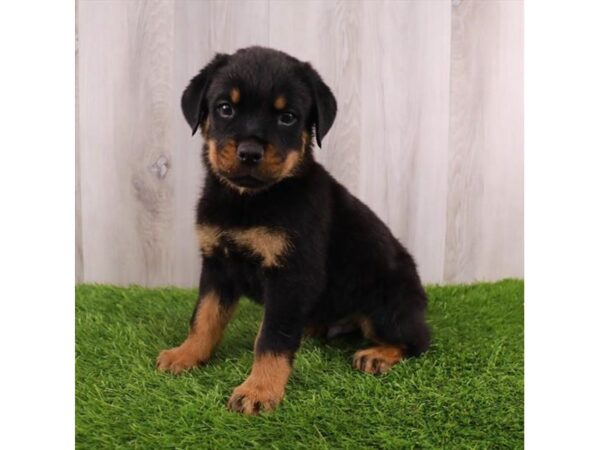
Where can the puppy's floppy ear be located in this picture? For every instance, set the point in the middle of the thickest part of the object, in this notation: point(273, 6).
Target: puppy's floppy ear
point(193, 100)
point(324, 104)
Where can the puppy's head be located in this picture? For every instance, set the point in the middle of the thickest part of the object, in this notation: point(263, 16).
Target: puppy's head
point(257, 110)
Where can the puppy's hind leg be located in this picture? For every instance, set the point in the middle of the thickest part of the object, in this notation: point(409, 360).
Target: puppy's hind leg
point(399, 331)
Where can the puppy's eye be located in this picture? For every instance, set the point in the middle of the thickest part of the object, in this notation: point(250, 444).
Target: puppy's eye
point(287, 118)
point(225, 110)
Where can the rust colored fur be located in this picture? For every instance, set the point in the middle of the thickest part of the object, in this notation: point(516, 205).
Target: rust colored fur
point(267, 244)
point(377, 360)
point(265, 387)
point(206, 332)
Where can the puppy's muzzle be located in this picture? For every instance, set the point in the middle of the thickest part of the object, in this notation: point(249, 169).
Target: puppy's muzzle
point(250, 152)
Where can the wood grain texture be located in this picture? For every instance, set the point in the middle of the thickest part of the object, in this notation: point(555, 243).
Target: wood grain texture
point(79, 271)
point(428, 133)
point(235, 24)
point(191, 50)
point(404, 118)
point(125, 118)
point(485, 169)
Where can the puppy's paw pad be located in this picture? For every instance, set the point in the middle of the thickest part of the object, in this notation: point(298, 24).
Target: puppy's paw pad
point(377, 360)
point(251, 400)
point(177, 360)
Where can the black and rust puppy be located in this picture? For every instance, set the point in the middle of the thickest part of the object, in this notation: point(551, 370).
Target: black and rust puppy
point(273, 225)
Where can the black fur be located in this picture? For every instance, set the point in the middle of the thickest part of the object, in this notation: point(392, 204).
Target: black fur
point(343, 261)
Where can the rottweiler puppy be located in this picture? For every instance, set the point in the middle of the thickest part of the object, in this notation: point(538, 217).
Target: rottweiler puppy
point(273, 225)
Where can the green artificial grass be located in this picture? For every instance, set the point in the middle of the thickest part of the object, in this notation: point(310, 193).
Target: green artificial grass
point(466, 392)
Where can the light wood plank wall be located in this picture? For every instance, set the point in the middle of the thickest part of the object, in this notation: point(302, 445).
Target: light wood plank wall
point(429, 132)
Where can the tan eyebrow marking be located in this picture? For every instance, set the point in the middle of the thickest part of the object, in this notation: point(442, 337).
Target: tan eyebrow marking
point(280, 102)
point(234, 94)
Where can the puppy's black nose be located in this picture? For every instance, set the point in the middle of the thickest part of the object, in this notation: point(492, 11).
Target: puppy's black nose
point(250, 152)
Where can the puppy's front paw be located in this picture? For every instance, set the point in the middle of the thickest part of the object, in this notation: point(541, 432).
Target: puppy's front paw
point(178, 359)
point(251, 398)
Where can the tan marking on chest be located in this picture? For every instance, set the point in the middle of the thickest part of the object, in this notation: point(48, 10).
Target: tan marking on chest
point(208, 238)
point(266, 243)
